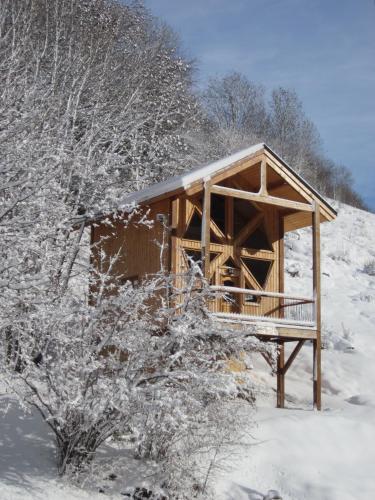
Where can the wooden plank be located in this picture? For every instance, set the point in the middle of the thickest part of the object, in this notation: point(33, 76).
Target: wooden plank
point(297, 333)
point(304, 191)
point(173, 258)
point(296, 220)
point(285, 191)
point(257, 254)
point(317, 369)
point(263, 178)
point(281, 264)
point(175, 208)
point(293, 355)
point(280, 375)
point(234, 289)
point(270, 200)
point(206, 218)
point(238, 167)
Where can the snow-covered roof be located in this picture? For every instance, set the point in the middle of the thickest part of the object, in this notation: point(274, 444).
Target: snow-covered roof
point(185, 180)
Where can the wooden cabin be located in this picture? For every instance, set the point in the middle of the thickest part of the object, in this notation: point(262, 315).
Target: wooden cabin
point(232, 215)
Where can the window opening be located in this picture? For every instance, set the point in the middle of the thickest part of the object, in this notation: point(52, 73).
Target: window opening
point(194, 230)
point(259, 269)
point(250, 299)
point(218, 211)
point(243, 212)
point(257, 240)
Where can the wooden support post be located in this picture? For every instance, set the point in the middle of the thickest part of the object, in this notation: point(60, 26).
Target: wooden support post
point(317, 370)
point(206, 217)
point(281, 265)
point(280, 375)
point(263, 179)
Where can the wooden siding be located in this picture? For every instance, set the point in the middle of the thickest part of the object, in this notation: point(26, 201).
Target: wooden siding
point(267, 306)
point(139, 254)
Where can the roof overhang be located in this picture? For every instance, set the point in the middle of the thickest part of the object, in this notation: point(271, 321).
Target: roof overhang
point(193, 181)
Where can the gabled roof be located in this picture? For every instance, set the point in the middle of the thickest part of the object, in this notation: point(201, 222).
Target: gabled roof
point(203, 173)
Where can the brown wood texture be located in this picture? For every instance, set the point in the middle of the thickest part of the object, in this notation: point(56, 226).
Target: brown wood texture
point(260, 198)
point(139, 254)
point(280, 375)
point(317, 369)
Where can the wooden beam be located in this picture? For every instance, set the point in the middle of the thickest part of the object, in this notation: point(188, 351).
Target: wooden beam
point(173, 254)
point(270, 200)
point(206, 218)
point(280, 375)
point(263, 179)
point(296, 333)
point(281, 264)
point(293, 355)
point(317, 369)
point(238, 167)
point(298, 185)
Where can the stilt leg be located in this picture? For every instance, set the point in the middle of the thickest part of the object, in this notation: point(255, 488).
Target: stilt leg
point(317, 374)
point(280, 376)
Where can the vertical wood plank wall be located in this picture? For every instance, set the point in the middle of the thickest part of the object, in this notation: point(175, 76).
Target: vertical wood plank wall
point(268, 306)
point(139, 253)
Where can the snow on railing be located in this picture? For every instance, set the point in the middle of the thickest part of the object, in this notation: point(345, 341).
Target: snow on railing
point(292, 309)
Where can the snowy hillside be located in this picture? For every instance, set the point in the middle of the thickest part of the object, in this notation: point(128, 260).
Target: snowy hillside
point(303, 454)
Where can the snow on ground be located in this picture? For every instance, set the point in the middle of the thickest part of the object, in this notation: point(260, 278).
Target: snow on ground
point(328, 455)
point(304, 454)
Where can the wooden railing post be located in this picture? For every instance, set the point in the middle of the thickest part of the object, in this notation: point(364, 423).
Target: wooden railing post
point(206, 217)
point(317, 307)
point(263, 179)
point(281, 265)
point(280, 375)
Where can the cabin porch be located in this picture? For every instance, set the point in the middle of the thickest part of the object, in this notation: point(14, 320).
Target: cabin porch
point(236, 230)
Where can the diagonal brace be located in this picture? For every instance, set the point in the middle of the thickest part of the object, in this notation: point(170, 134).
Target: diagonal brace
point(293, 356)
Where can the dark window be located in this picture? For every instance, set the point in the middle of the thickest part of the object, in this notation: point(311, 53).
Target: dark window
point(194, 231)
point(213, 256)
point(218, 211)
point(230, 263)
point(229, 297)
point(259, 269)
point(251, 299)
point(257, 240)
point(243, 212)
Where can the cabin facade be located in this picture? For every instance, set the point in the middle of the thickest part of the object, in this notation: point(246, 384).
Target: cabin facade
point(232, 216)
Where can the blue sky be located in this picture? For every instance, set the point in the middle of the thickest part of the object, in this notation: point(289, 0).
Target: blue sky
point(324, 49)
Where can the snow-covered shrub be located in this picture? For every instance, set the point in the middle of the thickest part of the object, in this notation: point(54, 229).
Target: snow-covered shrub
point(114, 365)
point(369, 268)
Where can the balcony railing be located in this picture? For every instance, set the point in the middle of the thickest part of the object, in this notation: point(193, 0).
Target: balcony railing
point(290, 310)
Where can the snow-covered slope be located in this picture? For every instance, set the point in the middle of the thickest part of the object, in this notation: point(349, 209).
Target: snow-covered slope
point(304, 454)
